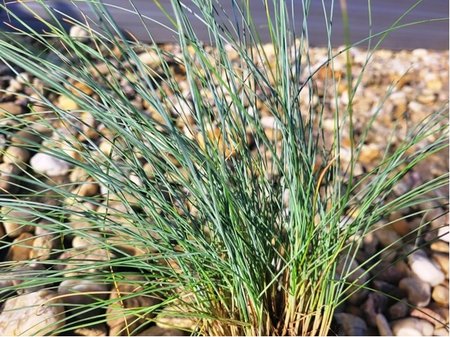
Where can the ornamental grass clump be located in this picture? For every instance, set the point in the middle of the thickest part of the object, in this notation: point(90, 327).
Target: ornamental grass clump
point(214, 202)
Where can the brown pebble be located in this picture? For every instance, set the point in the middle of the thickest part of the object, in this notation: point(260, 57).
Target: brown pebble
point(428, 315)
point(440, 295)
point(440, 246)
point(383, 326)
point(419, 292)
point(21, 247)
point(10, 108)
point(442, 261)
point(399, 310)
point(16, 155)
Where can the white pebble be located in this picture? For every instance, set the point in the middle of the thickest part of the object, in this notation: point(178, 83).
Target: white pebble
point(424, 269)
point(45, 164)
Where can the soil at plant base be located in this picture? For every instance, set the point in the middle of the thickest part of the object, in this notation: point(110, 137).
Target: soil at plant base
point(420, 86)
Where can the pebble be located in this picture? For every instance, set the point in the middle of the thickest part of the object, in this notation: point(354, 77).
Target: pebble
point(91, 239)
point(16, 155)
point(44, 246)
point(428, 315)
point(369, 154)
point(23, 274)
point(150, 58)
point(79, 33)
point(79, 88)
point(412, 327)
point(424, 269)
point(350, 325)
point(392, 272)
point(8, 173)
point(28, 136)
point(15, 221)
point(21, 247)
point(10, 108)
point(439, 246)
point(383, 326)
point(93, 330)
point(158, 331)
point(399, 309)
point(88, 188)
point(418, 292)
point(440, 332)
point(77, 262)
point(358, 275)
point(46, 164)
point(440, 295)
point(66, 103)
point(120, 323)
point(388, 238)
point(442, 260)
point(39, 313)
point(375, 303)
point(85, 291)
point(444, 234)
point(172, 317)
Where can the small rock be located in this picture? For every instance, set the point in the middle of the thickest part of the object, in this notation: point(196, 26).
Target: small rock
point(23, 275)
point(150, 59)
point(16, 155)
point(8, 173)
point(428, 315)
point(440, 310)
point(424, 269)
point(375, 304)
point(400, 225)
point(440, 295)
point(46, 164)
point(66, 103)
point(158, 331)
point(44, 246)
point(82, 261)
point(439, 246)
point(357, 275)
point(398, 310)
point(444, 234)
point(79, 33)
point(172, 317)
point(91, 239)
point(87, 189)
point(2, 143)
point(440, 332)
point(16, 221)
point(412, 327)
point(26, 137)
point(85, 291)
point(370, 153)
point(442, 261)
point(419, 292)
point(388, 289)
point(21, 247)
point(350, 325)
point(78, 174)
point(392, 272)
point(388, 238)
point(116, 314)
point(38, 313)
point(10, 108)
point(383, 326)
point(95, 330)
point(79, 88)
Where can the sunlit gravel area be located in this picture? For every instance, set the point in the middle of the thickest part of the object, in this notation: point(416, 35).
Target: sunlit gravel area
point(409, 295)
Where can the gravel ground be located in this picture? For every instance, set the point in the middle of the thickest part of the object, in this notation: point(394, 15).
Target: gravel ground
point(420, 280)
